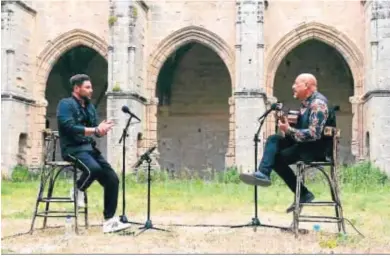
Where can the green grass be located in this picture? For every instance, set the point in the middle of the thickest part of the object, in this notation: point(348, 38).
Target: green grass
point(364, 193)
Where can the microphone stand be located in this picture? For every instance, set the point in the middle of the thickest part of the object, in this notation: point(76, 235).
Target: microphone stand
point(146, 157)
point(255, 220)
point(123, 217)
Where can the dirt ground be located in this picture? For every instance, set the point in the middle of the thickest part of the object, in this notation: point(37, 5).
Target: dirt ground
point(186, 240)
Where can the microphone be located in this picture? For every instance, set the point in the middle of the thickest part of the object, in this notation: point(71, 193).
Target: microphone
point(126, 109)
point(276, 106)
point(144, 156)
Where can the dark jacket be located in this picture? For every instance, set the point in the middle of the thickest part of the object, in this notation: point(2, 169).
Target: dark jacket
point(72, 119)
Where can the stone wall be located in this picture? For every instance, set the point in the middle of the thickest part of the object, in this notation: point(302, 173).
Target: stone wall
point(166, 17)
point(16, 116)
point(283, 17)
point(67, 15)
point(17, 103)
point(250, 37)
point(377, 88)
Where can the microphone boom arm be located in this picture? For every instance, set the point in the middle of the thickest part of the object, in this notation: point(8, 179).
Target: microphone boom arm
point(124, 134)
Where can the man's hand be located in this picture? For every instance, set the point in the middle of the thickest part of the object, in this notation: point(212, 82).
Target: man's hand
point(104, 127)
point(283, 125)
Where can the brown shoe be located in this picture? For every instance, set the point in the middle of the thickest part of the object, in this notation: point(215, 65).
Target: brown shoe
point(308, 197)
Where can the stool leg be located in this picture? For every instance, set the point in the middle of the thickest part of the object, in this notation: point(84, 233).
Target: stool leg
point(49, 196)
point(342, 223)
point(338, 208)
point(86, 210)
point(297, 200)
point(75, 195)
point(39, 196)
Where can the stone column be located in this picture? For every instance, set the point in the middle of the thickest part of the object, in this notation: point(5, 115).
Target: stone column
point(357, 128)
point(8, 48)
point(121, 89)
point(249, 96)
point(115, 101)
point(131, 49)
point(377, 90)
point(7, 87)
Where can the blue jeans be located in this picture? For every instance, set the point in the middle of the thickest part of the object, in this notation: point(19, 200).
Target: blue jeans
point(280, 152)
point(95, 167)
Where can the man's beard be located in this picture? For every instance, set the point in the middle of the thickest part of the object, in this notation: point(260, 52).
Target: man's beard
point(85, 99)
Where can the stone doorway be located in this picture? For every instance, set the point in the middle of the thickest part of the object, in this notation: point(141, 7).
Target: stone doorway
point(193, 89)
point(334, 80)
point(78, 60)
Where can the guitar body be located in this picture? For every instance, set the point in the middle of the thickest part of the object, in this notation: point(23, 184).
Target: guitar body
point(292, 116)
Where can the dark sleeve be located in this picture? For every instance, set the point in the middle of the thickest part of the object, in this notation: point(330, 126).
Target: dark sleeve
point(317, 119)
point(66, 120)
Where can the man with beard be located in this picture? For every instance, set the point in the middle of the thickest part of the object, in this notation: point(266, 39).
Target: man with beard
point(77, 124)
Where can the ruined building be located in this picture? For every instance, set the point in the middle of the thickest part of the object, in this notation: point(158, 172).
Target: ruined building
point(198, 73)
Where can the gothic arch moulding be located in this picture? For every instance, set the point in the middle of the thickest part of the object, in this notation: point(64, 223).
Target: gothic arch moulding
point(63, 43)
point(323, 33)
point(182, 37)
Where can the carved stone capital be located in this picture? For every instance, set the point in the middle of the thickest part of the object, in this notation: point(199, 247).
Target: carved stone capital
point(271, 99)
point(354, 100)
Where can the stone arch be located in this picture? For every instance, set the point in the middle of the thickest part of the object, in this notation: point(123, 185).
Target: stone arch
point(348, 50)
point(179, 38)
point(324, 33)
point(55, 48)
point(45, 62)
point(182, 37)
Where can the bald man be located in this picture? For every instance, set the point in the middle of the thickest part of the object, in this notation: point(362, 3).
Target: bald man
point(300, 143)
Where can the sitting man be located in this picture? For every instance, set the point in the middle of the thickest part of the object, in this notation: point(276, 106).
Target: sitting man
point(77, 123)
point(304, 142)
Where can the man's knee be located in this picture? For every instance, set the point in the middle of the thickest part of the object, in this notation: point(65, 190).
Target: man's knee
point(86, 164)
point(92, 168)
point(113, 178)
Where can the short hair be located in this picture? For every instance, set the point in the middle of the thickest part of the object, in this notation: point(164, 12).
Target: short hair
point(78, 80)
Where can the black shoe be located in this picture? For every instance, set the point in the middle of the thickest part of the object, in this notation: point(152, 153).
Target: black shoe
point(258, 178)
point(306, 198)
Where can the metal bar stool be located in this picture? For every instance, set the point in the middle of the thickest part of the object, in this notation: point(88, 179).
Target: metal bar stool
point(333, 181)
point(50, 172)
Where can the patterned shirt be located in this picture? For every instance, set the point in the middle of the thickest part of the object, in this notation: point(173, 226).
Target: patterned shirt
point(315, 109)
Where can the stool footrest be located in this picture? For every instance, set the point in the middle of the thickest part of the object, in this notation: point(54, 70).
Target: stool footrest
point(319, 203)
point(66, 214)
point(57, 199)
point(323, 219)
point(317, 217)
point(323, 163)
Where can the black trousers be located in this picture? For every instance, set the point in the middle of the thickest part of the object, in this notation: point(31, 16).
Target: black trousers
point(280, 152)
point(95, 167)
